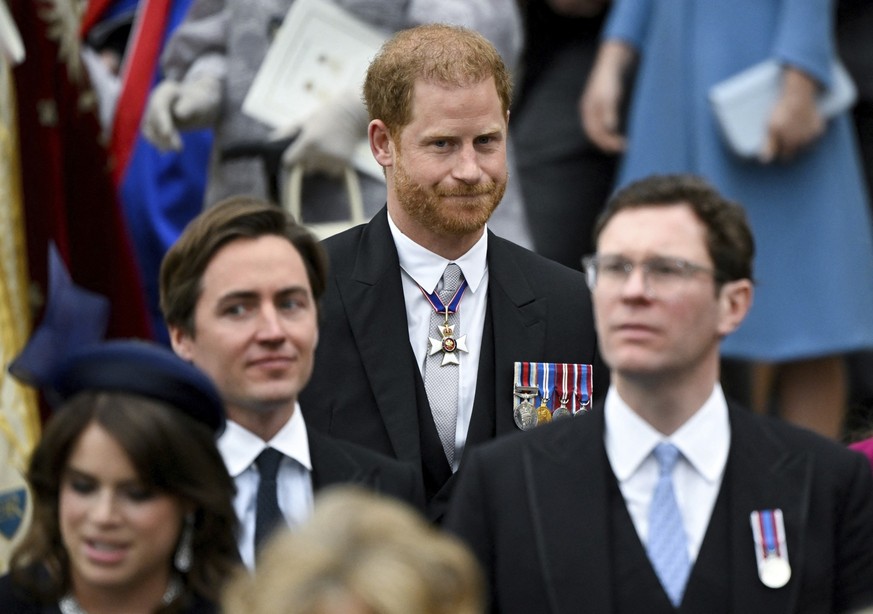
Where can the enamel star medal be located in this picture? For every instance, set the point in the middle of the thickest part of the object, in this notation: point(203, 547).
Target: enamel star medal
point(448, 345)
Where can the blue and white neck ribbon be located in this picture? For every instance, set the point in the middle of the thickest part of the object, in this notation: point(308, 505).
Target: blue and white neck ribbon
point(437, 303)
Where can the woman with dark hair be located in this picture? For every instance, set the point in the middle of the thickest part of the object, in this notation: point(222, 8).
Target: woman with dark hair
point(132, 501)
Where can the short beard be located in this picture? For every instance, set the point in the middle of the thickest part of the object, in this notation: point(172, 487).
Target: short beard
point(425, 206)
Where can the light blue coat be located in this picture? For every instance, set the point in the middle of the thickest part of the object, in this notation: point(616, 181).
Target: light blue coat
point(814, 264)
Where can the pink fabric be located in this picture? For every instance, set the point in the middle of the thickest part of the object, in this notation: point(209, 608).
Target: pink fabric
point(865, 447)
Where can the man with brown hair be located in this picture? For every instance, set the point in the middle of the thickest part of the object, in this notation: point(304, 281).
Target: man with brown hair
point(388, 374)
point(667, 496)
point(239, 292)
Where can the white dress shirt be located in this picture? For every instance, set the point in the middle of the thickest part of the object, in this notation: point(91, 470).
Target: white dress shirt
point(704, 442)
point(421, 267)
point(239, 448)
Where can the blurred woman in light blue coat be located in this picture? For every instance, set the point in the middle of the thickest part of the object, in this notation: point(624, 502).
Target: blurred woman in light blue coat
point(803, 192)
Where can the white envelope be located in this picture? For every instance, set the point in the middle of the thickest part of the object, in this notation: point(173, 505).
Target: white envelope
point(742, 103)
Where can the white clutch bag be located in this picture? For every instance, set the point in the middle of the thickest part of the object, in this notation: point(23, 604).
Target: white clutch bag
point(742, 103)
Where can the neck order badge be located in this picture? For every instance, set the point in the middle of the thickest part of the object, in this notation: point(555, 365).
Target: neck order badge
point(448, 344)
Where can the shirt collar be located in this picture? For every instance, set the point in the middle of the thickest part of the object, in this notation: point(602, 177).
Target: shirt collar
point(426, 268)
point(704, 439)
point(240, 447)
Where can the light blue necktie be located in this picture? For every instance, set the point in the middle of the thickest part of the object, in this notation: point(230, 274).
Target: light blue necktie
point(668, 546)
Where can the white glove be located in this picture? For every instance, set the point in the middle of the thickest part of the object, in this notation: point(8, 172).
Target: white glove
point(175, 106)
point(327, 139)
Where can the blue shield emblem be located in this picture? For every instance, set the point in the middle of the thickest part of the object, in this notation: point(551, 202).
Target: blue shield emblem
point(12, 506)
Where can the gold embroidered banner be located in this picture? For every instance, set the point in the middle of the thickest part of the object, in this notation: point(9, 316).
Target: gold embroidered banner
point(19, 413)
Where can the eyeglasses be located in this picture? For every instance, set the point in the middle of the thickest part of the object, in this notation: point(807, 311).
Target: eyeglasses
point(661, 275)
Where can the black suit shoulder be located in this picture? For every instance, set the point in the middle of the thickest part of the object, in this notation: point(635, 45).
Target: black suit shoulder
point(342, 246)
point(15, 600)
point(831, 460)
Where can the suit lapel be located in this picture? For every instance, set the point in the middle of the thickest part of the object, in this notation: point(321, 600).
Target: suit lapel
point(765, 474)
point(568, 523)
point(518, 321)
point(374, 303)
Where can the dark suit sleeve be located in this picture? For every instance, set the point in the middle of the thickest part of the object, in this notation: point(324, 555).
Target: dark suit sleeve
point(402, 481)
point(468, 513)
point(389, 476)
point(341, 462)
point(854, 541)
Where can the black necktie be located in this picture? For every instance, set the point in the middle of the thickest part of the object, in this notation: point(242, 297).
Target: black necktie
point(267, 514)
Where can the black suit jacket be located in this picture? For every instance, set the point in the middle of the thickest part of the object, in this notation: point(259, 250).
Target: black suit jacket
point(535, 511)
point(14, 599)
point(340, 462)
point(366, 386)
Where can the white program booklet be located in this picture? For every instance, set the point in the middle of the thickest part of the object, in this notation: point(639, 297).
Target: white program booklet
point(319, 51)
point(742, 103)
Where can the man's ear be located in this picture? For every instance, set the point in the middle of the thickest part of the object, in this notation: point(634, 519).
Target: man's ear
point(182, 343)
point(734, 302)
point(381, 143)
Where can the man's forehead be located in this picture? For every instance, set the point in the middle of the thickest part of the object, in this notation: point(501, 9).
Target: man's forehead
point(268, 246)
point(254, 262)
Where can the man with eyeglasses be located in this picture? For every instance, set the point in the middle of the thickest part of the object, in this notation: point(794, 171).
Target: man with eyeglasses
point(668, 496)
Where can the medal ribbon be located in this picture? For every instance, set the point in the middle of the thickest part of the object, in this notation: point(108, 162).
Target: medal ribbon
point(769, 533)
point(562, 391)
point(523, 376)
point(437, 303)
point(583, 385)
point(574, 387)
point(532, 379)
point(771, 541)
point(547, 384)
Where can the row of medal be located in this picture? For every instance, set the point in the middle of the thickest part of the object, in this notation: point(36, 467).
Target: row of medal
point(546, 391)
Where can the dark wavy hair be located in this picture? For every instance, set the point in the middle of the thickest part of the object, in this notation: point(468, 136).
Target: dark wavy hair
point(172, 454)
point(729, 239)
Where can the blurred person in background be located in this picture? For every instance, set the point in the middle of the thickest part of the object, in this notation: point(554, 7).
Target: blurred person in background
point(360, 554)
point(211, 62)
point(565, 177)
point(804, 192)
point(132, 501)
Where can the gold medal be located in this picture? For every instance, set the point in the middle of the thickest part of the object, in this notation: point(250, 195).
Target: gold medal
point(544, 416)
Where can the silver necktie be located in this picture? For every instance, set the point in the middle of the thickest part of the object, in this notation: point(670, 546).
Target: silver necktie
point(441, 378)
